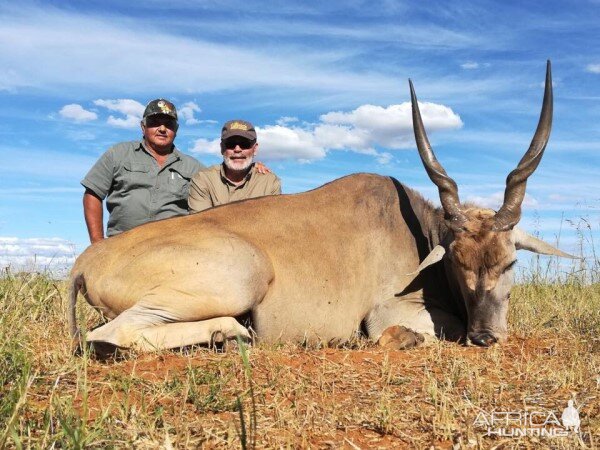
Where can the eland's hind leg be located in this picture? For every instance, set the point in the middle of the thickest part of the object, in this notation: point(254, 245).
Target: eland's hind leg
point(168, 318)
point(187, 300)
point(151, 333)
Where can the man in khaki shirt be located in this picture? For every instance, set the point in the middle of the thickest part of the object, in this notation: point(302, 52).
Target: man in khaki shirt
point(237, 177)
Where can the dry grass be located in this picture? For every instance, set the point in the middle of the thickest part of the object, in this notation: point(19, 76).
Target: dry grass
point(294, 397)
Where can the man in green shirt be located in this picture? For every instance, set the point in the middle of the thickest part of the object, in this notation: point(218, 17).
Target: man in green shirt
point(142, 180)
point(237, 177)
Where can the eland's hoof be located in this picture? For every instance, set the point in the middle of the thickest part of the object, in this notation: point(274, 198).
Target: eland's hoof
point(400, 338)
point(103, 351)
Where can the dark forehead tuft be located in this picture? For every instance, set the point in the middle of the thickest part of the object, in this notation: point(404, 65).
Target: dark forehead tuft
point(478, 246)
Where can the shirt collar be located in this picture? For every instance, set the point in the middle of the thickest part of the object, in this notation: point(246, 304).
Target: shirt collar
point(175, 154)
point(244, 181)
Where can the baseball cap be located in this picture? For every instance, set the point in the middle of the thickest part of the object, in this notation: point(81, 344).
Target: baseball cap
point(160, 106)
point(238, 128)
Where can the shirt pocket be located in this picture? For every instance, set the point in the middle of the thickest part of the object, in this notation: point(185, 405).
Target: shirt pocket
point(178, 183)
point(136, 176)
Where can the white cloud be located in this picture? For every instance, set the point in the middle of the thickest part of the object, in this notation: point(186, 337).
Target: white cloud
point(384, 158)
point(36, 253)
point(593, 68)
point(48, 35)
point(77, 113)
point(391, 127)
point(276, 142)
point(186, 112)
point(131, 109)
point(127, 122)
point(285, 120)
point(359, 131)
point(279, 142)
point(470, 65)
point(340, 137)
point(125, 106)
point(206, 147)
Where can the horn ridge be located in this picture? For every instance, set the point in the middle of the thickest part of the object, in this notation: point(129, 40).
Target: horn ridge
point(448, 190)
point(509, 213)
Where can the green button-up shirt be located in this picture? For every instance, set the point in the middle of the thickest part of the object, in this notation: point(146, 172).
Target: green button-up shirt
point(136, 189)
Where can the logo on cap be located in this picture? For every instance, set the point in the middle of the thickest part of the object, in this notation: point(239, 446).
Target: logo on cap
point(164, 107)
point(238, 126)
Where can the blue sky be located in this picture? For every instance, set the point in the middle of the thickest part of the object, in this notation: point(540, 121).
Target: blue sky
point(326, 85)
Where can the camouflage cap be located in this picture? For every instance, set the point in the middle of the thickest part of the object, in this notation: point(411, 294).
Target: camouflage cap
point(160, 106)
point(238, 128)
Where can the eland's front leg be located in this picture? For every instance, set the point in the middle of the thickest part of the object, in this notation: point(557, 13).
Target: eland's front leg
point(403, 323)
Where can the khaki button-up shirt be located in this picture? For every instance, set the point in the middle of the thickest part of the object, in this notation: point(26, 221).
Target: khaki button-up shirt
point(210, 187)
point(136, 189)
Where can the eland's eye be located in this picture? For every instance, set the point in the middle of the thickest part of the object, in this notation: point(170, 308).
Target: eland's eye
point(509, 267)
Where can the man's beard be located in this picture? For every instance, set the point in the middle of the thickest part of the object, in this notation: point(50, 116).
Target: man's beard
point(236, 166)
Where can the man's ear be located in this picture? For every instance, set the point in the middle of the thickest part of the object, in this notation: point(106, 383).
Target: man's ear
point(222, 148)
point(255, 149)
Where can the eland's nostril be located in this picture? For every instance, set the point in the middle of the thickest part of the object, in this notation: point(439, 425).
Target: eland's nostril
point(482, 339)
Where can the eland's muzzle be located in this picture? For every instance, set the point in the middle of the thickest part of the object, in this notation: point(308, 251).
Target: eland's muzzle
point(484, 339)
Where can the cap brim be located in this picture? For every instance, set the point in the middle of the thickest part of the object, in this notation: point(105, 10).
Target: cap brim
point(159, 113)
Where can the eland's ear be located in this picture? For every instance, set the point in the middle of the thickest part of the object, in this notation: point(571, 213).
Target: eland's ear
point(525, 241)
point(434, 256)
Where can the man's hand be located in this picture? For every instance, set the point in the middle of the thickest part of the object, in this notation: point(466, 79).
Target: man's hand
point(261, 168)
point(92, 211)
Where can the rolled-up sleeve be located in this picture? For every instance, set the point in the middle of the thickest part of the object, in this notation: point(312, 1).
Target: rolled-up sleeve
point(199, 196)
point(100, 177)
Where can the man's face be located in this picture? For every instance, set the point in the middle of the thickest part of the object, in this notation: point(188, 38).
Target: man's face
point(238, 152)
point(160, 131)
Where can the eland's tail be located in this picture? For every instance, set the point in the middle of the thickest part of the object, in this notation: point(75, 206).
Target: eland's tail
point(76, 285)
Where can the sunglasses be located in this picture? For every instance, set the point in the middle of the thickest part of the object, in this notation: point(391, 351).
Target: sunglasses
point(157, 121)
point(243, 143)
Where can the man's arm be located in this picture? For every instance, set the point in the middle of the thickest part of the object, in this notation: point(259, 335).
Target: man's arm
point(92, 211)
point(97, 184)
point(199, 197)
point(276, 188)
